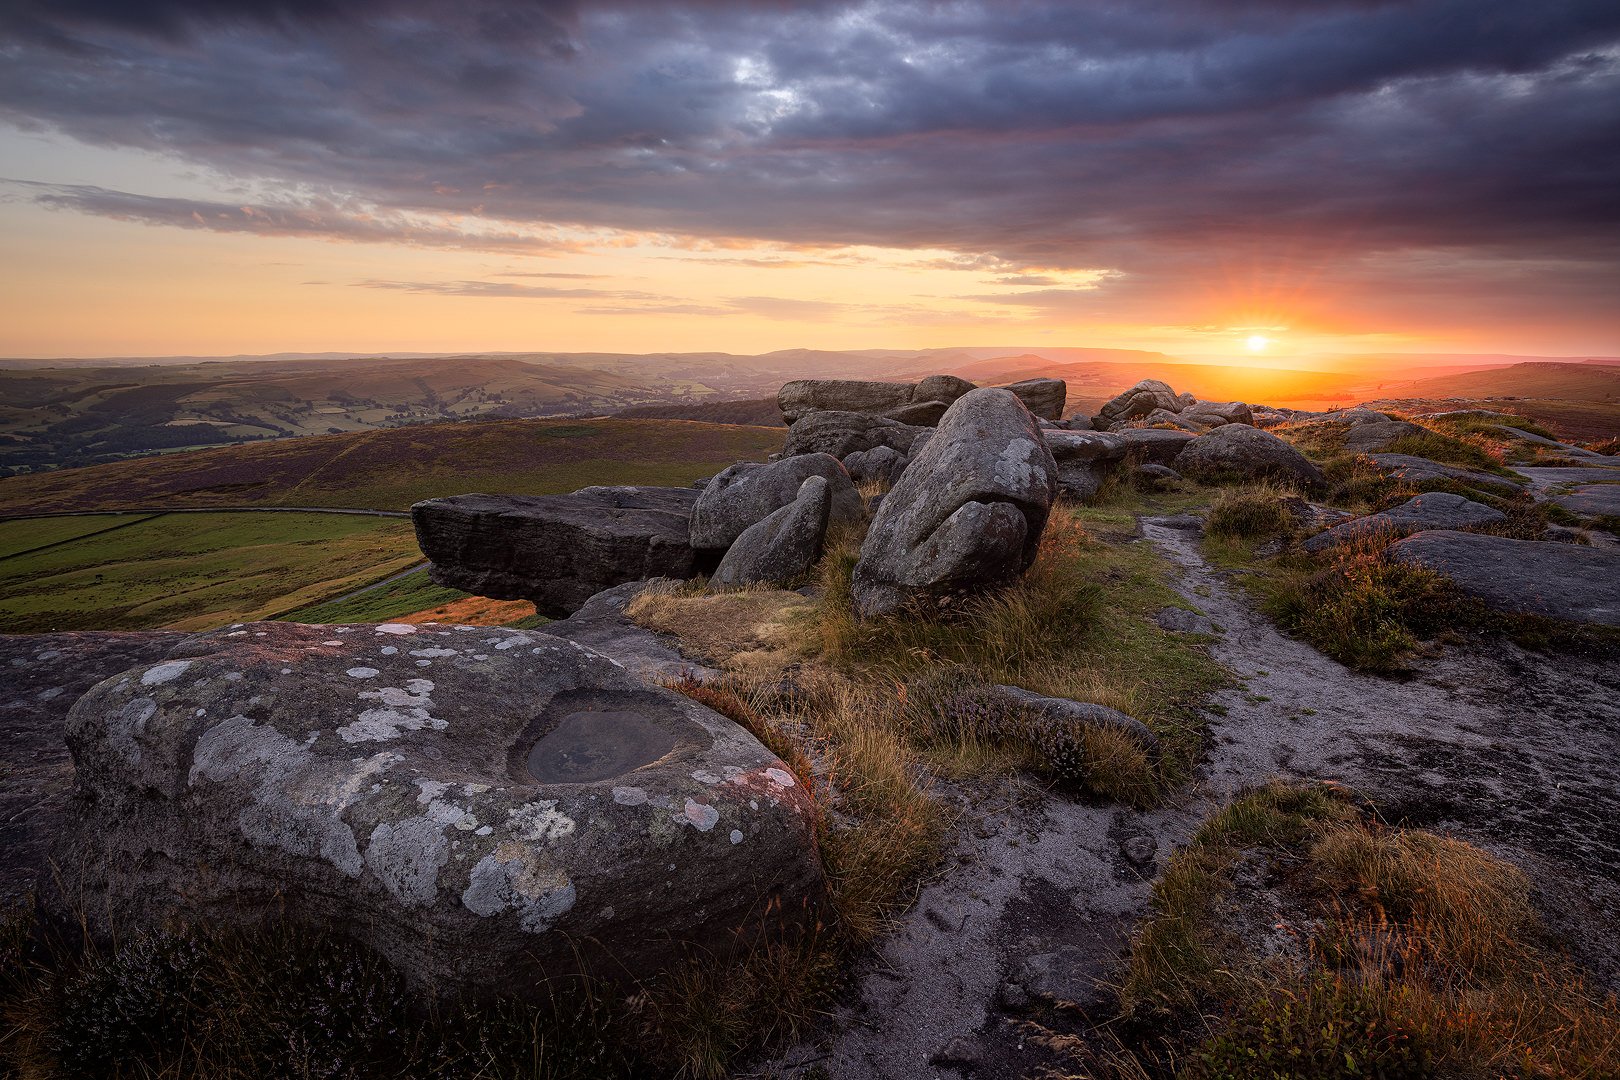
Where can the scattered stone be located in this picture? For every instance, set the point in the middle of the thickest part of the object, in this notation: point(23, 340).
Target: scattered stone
point(1264, 416)
point(1563, 448)
point(1140, 849)
point(1014, 998)
point(1375, 435)
point(748, 492)
point(844, 433)
point(1084, 712)
point(783, 545)
point(557, 550)
point(1151, 476)
point(1070, 974)
point(1181, 621)
point(1309, 515)
point(1416, 470)
point(483, 821)
point(880, 463)
point(1042, 397)
point(1251, 453)
point(1161, 416)
point(1591, 500)
point(1533, 577)
point(961, 1052)
point(1431, 510)
point(1157, 446)
point(967, 513)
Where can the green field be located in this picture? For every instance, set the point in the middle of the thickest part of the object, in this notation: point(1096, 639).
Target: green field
point(413, 592)
point(192, 571)
point(18, 537)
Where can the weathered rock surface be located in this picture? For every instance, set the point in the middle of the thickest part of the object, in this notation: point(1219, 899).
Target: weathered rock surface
point(1415, 470)
point(802, 397)
point(1181, 621)
point(477, 803)
point(784, 544)
point(844, 433)
point(557, 550)
point(1044, 398)
point(1591, 500)
point(43, 675)
point(1251, 453)
point(1155, 474)
point(1160, 446)
point(748, 492)
point(1432, 510)
point(1357, 415)
point(880, 463)
point(1373, 436)
point(1216, 413)
point(969, 511)
point(1532, 577)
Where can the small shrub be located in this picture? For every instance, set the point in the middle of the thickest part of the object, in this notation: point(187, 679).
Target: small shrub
point(1326, 1029)
point(137, 1005)
point(1611, 447)
point(1248, 515)
point(1473, 452)
point(1367, 613)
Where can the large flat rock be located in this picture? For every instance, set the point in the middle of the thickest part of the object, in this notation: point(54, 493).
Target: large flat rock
point(484, 806)
point(1415, 470)
point(1591, 500)
point(1530, 577)
point(558, 550)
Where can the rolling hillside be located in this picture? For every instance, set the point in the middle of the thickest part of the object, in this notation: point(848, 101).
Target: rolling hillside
point(1571, 382)
point(391, 468)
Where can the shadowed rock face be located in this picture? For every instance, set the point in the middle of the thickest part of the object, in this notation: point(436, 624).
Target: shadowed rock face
point(912, 403)
point(1044, 398)
point(967, 513)
point(474, 802)
point(1372, 436)
point(783, 545)
point(1532, 577)
point(557, 550)
point(41, 676)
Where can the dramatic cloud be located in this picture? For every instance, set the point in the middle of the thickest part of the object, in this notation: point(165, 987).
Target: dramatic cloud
point(1151, 140)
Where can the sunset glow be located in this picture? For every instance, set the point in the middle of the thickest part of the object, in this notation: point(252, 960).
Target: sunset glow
point(185, 179)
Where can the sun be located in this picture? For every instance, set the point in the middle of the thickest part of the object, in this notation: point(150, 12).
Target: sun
point(1257, 343)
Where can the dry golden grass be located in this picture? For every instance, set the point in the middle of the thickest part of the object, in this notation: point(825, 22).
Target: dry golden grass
point(757, 630)
point(1426, 958)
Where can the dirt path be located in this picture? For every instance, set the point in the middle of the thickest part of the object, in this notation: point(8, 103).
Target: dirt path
point(1514, 750)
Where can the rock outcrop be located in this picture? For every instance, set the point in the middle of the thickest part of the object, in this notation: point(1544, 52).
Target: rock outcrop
point(1216, 413)
point(747, 492)
point(1432, 510)
point(784, 544)
point(484, 806)
point(1158, 446)
point(1248, 452)
point(910, 403)
point(1530, 577)
point(557, 550)
point(1083, 458)
point(969, 511)
point(844, 433)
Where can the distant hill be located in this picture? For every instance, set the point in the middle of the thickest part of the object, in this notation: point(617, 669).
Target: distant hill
point(1571, 382)
point(762, 412)
point(390, 469)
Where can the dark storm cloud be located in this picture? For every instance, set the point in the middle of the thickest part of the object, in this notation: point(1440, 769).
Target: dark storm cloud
point(1040, 135)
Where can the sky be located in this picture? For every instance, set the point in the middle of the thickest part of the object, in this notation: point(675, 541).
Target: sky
point(1256, 178)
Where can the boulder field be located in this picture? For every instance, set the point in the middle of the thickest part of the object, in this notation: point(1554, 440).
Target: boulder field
point(481, 805)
